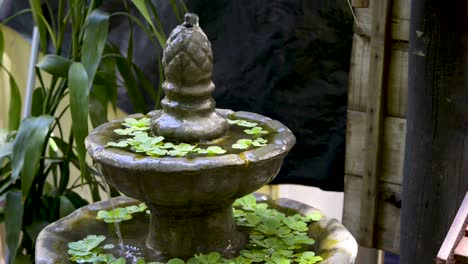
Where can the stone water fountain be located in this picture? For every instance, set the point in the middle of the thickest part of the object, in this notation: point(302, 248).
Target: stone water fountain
point(189, 198)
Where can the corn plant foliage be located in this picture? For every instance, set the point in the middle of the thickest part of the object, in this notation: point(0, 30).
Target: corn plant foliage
point(78, 76)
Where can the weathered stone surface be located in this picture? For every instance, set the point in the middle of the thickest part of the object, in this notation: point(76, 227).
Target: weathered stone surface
point(190, 198)
point(333, 241)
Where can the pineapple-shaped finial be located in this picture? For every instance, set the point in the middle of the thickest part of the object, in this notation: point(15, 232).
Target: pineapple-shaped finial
point(188, 109)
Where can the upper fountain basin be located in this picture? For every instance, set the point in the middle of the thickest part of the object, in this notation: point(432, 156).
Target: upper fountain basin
point(187, 181)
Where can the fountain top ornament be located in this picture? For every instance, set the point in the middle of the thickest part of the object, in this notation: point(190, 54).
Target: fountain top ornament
point(188, 109)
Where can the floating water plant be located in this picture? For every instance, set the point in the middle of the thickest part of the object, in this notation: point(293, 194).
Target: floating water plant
point(120, 214)
point(139, 140)
point(273, 237)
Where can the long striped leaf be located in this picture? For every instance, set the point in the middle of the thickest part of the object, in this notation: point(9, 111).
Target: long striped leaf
point(27, 149)
point(13, 222)
point(14, 111)
point(141, 6)
point(2, 46)
point(78, 83)
point(94, 41)
point(131, 84)
point(40, 23)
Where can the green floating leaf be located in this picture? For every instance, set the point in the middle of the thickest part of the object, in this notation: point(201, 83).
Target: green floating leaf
point(242, 123)
point(247, 202)
point(116, 215)
point(212, 150)
point(120, 144)
point(13, 222)
point(255, 131)
point(315, 216)
point(157, 152)
point(55, 65)
point(259, 142)
point(87, 244)
point(242, 144)
point(140, 123)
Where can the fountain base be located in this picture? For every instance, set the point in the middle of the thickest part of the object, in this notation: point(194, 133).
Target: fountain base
point(179, 232)
point(333, 243)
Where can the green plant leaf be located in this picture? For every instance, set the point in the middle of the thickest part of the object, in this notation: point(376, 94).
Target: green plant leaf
point(145, 83)
point(14, 111)
point(55, 65)
point(36, 8)
point(79, 108)
point(97, 108)
point(176, 261)
point(13, 222)
point(175, 9)
point(141, 6)
point(131, 85)
point(95, 37)
point(28, 146)
point(66, 207)
point(5, 150)
point(2, 46)
point(35, 228)
point(37, 102)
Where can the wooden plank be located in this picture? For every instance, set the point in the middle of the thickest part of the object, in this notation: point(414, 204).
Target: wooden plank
point(454, 234)
point(380, 12)
point(400, 20)
point(387, 223)
point(359, 76)
point(388, 217)
point(397, 86)
point(393, 149)
point(360, 3)
point(399, 28)
point(355, 142)
point(364, 18)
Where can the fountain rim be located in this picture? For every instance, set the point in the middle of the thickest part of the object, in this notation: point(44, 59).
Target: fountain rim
point(343, 249)
point(283, 140)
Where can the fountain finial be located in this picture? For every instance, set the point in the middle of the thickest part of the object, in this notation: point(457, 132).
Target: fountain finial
point(188, 109)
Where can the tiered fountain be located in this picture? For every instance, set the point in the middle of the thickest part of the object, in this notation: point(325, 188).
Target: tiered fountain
point(189, 198)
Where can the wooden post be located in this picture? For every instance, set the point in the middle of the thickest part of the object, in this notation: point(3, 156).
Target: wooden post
point(369, 195)
point(436, 156)
point(360, 3)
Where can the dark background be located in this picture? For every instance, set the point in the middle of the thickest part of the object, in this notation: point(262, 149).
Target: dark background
point(286, 59)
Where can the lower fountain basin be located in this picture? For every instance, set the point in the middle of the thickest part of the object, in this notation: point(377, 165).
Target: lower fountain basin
point(334, 243)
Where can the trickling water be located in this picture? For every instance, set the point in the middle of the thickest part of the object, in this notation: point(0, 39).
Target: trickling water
point(109, 197)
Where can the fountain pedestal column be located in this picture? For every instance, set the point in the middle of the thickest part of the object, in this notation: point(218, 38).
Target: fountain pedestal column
point(190, 197)
point(179, 232)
